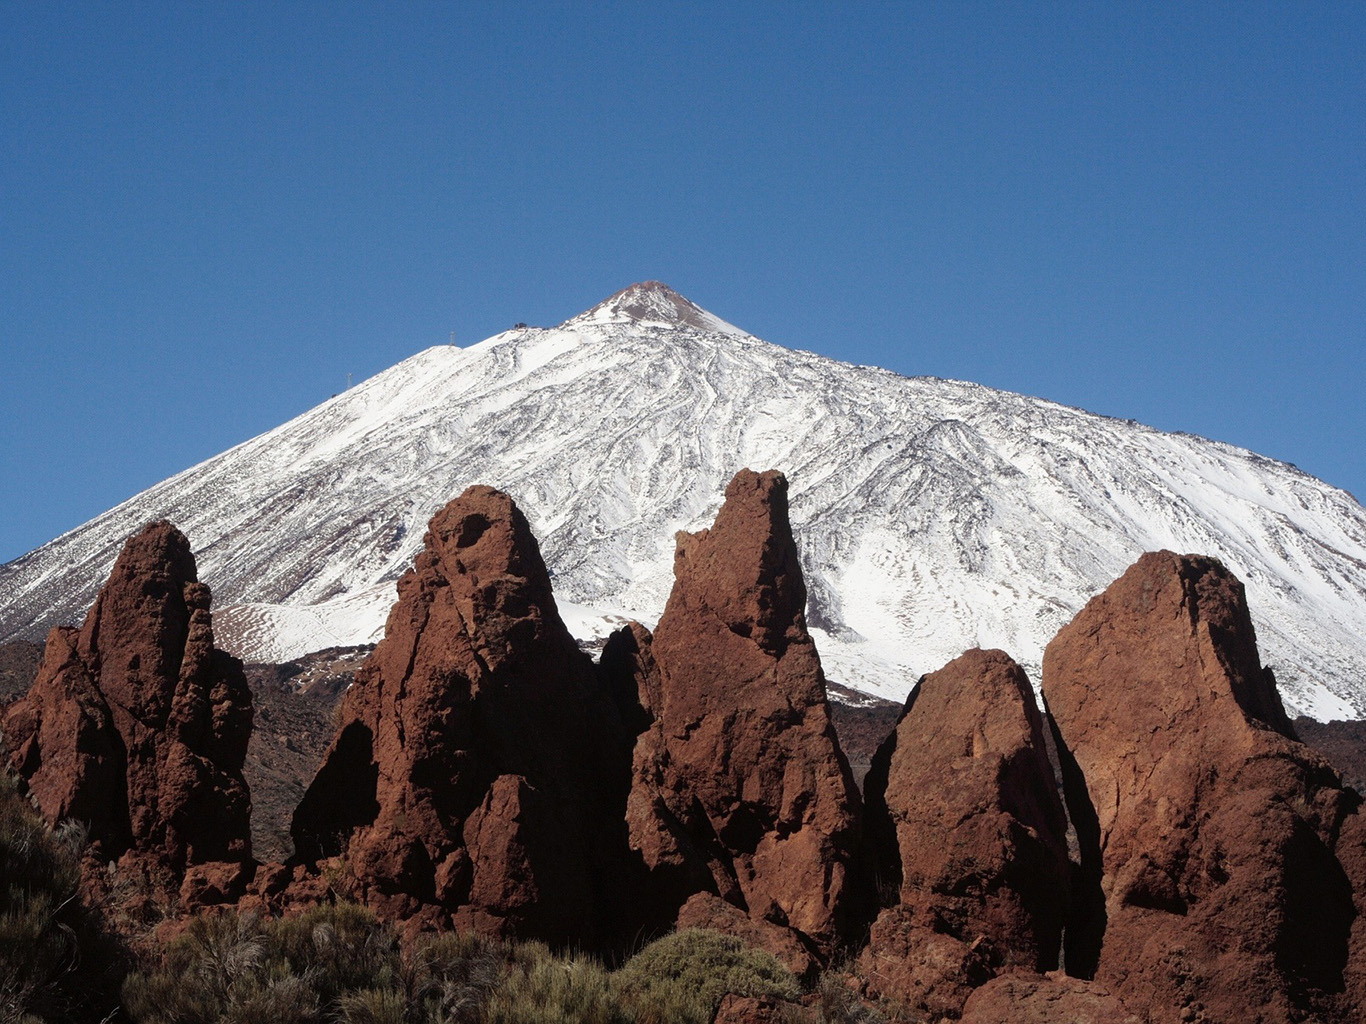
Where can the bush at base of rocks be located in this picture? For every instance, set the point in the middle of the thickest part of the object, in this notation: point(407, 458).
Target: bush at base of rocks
point(56, 963)
point(235, 967)
point(682, 978)
point(340, 963)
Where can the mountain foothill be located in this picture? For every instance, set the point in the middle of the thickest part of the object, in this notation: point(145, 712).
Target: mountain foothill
point(1150, 842)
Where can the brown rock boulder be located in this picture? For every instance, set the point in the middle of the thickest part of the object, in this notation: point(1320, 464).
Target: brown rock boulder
point(1021, 998)
point(1208, 834)
point(740, 786)
point(138, 726)
point(738, 1009)
point(963, 794)
point(472, 773)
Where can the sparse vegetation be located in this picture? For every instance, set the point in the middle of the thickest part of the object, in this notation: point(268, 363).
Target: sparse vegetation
point(339, 963)
point(235, 968)
point(540, 988)
point(837, 1003)
point(55, 963)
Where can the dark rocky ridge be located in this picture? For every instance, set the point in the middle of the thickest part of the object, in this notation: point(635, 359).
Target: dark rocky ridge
point(861, 723)
point(295, 703)
point(1342, 743)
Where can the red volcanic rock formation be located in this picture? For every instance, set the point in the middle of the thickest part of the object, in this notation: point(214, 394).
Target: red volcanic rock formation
point(471, 773)
point(1209, 836)
point(963, 794)
point(1022, 998)
point(138, 726)
point(740, 788)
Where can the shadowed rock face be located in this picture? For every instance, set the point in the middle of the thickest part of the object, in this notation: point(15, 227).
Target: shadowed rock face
point(471, 773)
point(136, 724)
point(740, 788)
point(1210, 837)
point(963, 802)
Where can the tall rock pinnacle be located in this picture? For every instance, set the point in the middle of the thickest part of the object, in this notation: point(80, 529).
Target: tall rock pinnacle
point(1211, 841)
point(472, 761)
point(136, 724)
point(963, 794)
point(741, 790)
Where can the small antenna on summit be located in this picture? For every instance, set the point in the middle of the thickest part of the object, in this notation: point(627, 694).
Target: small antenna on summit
point(348, 382)
point(452, 339)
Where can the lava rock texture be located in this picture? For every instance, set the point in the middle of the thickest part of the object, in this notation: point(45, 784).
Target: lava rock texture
point(1212, 885)
point(138, 727)
point(964, 812)
point(470, 777)
point(740, 789)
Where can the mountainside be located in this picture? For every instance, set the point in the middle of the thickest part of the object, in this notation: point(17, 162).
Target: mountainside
point(931, 515)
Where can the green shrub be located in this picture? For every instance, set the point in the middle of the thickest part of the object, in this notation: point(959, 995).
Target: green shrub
point(339, 947)
point(339, 963)
point(373, 1006)
point(55, 961)
point(682, 978)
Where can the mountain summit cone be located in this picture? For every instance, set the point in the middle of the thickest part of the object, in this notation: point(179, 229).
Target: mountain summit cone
point(652, 304)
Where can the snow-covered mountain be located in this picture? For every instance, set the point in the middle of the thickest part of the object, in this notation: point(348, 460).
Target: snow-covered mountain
point(931, 515)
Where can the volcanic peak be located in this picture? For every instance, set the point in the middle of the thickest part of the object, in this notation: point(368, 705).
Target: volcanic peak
point(653, 304)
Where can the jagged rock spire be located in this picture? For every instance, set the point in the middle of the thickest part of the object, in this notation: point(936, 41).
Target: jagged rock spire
point(1216, 866)
point(137, 725)
point(472, 764)
point(741, 790)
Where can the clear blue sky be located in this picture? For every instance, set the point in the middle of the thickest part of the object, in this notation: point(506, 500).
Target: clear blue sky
point(210, 214)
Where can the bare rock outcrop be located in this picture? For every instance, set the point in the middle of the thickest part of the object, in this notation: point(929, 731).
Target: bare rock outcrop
point(964, 813)
point(138, 726)
point(1209, 837)
point(471, 776)
point(1019, 997)
point(740, 788)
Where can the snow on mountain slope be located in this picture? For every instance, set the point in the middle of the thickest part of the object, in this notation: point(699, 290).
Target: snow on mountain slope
point(931, 515)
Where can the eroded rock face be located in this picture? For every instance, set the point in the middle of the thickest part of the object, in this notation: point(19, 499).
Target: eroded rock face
point(963, 802)
point(740, 788)
point(138, 726)
point(1209, 836)
point(1022, 998)
point(472, 772)
point(737, 1009)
